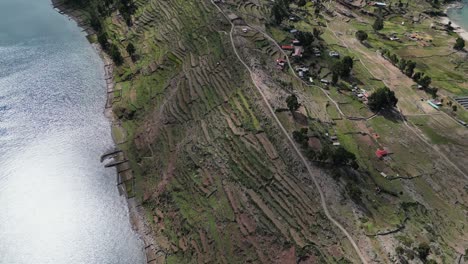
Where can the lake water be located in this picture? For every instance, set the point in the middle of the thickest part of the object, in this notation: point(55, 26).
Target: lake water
point(460, 16)
point(57, 202)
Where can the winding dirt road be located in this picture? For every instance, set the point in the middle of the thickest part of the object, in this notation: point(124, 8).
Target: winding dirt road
point(312, 172)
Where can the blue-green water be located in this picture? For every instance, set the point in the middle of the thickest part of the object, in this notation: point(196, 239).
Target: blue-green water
point(58, 205)
point(460, 16)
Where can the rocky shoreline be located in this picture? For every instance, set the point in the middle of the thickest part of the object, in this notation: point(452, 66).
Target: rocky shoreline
point(136, 212)
point(463, 33)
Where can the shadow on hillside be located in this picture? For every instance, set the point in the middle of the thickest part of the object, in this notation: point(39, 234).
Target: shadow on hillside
point(392, 115)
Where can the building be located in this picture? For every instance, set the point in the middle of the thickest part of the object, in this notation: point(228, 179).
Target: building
point(334, 54)
point(380, 153)
point(298, 51)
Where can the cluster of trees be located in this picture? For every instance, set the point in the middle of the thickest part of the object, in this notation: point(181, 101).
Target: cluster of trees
point(98, 10)
point(306, 38)
point(336, 156)
point(408, 68)
point(381, 99)
point(110, 48)
point(301, 3)
point(279, 11)
point(342, 69)
point(126, 9)
point(422, 251)
point(292, 103)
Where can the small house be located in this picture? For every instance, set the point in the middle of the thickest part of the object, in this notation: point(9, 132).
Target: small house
point(280, 63)
point(303, 69)
point(334, 54)
point(433, 104)
point(298, 51)
point(381, 153)
point(293, 19)
point(287, 47)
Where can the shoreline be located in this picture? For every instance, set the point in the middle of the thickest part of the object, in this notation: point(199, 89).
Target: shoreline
point(462, 32)
point(136, 214)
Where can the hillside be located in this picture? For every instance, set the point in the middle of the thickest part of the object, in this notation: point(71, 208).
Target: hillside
point(226, 171)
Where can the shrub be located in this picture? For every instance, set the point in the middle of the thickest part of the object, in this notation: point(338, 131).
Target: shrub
point(459, 44)
point(423, 251)
point(378, 24)
point(361, 35)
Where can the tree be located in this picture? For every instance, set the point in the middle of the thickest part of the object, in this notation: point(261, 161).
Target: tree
point(130, 49)
point(402, 64)
point(342, 68)
point(417, 76)
point(354, 192)
point(432, 91)
point(126, 9)
point(302, 3)
point(277, 14)
point(381, 99)
point(279, 11)
point(306, 38)
point(301, 137)
point(425, 81)
point(394, 59)
point(454, 108)
point(292, 103)
point(325, 153)
point(399, 250)
point(317, 32)
point(423, 251)
point(342, 157)
point(337, 71)
point(459, 44)
point(102, 39)
point(335, 78)
point(95, 22)
point(410, 66)
point(361, 35)
point(115, 54)
point(348, 64)
point(378, 24)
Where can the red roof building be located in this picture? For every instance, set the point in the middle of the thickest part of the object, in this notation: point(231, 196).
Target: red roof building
point(297, 51)
point(380, 153)
point(287, 47)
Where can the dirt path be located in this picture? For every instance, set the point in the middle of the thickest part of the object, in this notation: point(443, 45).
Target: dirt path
point(312, 173)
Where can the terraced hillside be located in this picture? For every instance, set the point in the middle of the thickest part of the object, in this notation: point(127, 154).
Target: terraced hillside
point(201, 114)
point(218, 181)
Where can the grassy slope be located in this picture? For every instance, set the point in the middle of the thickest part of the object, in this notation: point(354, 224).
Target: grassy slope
point(209, 166)
point(212, 188)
